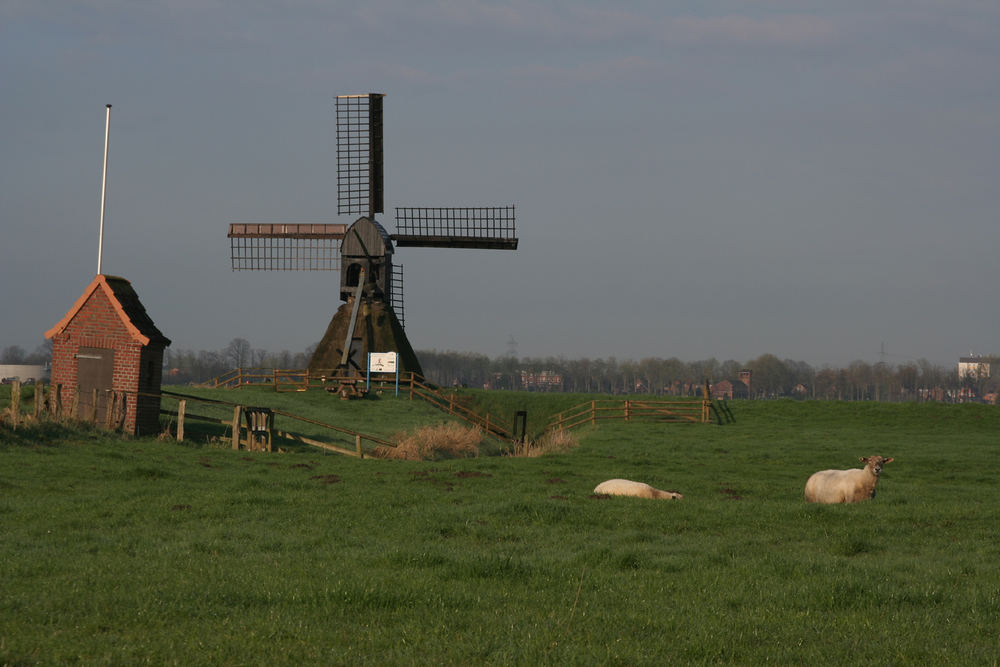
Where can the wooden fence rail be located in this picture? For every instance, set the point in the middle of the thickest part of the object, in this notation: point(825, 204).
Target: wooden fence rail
point(689, 411)
point(415, 386)
point(491, 424)
point(666, 411)
point(250, 430)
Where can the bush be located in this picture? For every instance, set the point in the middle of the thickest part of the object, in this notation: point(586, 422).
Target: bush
point(433, 443)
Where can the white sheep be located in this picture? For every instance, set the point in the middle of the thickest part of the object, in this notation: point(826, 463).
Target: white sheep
point(625, 487)
point(846, 486)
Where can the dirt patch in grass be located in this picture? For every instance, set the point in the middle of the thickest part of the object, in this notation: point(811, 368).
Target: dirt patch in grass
point(327, 479)
point(729, 492)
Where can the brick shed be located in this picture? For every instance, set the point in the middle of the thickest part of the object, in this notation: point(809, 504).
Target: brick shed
point(107, 341)
point(730, 389)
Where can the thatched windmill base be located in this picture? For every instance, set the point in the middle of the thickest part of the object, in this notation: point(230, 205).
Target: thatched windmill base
point(377, 329)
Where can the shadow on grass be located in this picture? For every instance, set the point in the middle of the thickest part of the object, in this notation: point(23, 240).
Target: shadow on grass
point(48, 434)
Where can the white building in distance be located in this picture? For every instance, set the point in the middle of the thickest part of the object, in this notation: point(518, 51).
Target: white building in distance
point(974, 366)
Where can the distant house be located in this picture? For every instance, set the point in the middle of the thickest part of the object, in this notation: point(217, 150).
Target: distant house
point(541, 381)
point(729, 389)
point(739, 388)
point(107, 343)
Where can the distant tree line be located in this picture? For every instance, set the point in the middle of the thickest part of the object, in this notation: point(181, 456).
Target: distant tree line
point(771, 377)
point(15, 354)
point(193, 366)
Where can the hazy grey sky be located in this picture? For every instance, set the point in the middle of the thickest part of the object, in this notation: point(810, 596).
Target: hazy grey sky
point(727, 179)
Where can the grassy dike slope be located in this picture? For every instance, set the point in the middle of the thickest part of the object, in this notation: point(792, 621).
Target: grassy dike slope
point(152, 551)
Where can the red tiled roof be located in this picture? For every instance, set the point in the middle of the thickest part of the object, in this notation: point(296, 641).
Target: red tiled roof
point(125, 302)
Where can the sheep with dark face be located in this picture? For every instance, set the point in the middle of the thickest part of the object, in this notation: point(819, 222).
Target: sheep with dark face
point(846, 486)
point(626, 487)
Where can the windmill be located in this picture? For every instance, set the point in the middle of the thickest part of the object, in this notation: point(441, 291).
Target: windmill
point(371, 319)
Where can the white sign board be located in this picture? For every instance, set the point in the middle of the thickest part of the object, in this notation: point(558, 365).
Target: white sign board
point(382, 362)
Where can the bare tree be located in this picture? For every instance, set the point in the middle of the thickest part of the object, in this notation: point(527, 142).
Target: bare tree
point(12, 354)
point(238, 352)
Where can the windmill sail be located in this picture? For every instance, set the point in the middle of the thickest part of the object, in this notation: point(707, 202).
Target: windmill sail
point(359, 154)
point(456, 227)
point(285, 247)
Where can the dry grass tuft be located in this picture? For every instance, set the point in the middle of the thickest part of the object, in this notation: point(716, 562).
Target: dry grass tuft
point(433, 443)
point(552, 442)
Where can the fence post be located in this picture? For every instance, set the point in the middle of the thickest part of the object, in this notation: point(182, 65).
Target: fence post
point(627, 402)
point(593, 412)
point(55, 399)
point(74, 404)
point(39, 399)
point(181, 409)
point(15, 402)
point(705, 401)
point(269, 420)
point(110, 398)
point(237, 416)
point(357, 444)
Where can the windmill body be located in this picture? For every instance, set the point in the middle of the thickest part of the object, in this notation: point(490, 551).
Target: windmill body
point(371, 317)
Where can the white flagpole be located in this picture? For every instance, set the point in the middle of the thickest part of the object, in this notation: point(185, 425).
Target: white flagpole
point(104, 190)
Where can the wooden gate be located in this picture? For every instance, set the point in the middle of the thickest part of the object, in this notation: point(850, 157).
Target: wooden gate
point(95, 373)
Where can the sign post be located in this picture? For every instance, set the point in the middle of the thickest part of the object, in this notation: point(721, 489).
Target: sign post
point(382, 362)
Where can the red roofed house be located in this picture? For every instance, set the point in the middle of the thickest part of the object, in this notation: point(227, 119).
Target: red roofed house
point(107, 342)
point(729, 389)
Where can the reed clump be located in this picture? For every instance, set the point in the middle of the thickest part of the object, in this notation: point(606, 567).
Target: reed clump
point(434, 443)
point(551, 442)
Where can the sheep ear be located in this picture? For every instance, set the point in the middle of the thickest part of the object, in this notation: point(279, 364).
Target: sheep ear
point(888, 460)
point(864, 459)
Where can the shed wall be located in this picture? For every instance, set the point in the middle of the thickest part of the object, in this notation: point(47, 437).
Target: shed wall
point(136, 367)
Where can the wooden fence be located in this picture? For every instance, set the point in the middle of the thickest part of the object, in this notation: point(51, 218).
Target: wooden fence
point(686, 411)
point(491, 424)
point(666, 411)
point(48, 402)
point(252, 427)
point(415, 386)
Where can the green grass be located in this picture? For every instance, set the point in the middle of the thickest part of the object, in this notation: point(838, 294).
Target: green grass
point(127, 551)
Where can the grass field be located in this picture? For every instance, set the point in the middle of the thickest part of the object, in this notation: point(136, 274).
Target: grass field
point(146, 550)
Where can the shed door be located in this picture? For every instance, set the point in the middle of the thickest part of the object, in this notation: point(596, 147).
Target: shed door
point(95, 370)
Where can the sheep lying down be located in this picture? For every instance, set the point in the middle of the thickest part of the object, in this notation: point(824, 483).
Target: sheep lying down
point(625, 487)
point(846, 486)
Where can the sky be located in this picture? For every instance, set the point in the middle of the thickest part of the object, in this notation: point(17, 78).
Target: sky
point(818, 181)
